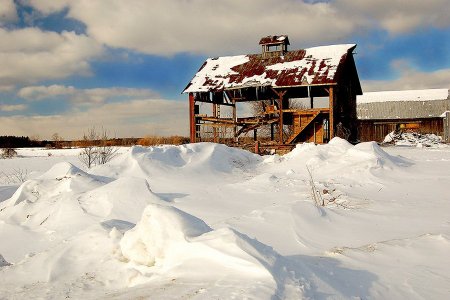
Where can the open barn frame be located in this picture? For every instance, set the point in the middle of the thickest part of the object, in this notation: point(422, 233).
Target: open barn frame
point(273, 80)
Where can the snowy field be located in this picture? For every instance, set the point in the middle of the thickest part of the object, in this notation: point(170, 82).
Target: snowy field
point(204, 221)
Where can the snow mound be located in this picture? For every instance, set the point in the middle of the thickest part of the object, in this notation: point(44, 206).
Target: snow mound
point(338, 156)
point(160, 230)
point(199, 158)
point(169, 241)
point(67, 198)
point(373, 155)
point(112, 200)
point(50, 199)
point(63, 170)
point(62, 177)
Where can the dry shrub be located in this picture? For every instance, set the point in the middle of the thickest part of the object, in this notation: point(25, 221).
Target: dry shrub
point(161, 140)
point(8, 153)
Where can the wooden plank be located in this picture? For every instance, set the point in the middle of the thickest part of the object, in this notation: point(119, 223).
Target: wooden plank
point(216, 120)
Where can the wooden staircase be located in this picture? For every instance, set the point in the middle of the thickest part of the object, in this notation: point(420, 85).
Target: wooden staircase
point(302, 119)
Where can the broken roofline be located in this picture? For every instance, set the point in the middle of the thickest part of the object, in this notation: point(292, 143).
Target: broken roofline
point(268, 86)
point(306, 67)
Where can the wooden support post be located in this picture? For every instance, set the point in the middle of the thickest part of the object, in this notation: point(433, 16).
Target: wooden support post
point(280, 109)
point(331, 117)
point(234, 121)
point(215, 135)
point(311, 101)
point(255, 134)
point(192, 123)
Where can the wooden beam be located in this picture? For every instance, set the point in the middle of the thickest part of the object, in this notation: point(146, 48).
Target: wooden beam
point(331, 118)
point(280, 94)
point(216, 120)
point(280, 133)
point(192, 124)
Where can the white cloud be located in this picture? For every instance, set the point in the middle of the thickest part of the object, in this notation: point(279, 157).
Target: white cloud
point(13, 107)
point(93, 96)
point(409, 79)
point(8, 11)
point(135, 118)
point(30, 55)
point(165, 27)
point(43, 92)
point(200, 26)
point(396, 16)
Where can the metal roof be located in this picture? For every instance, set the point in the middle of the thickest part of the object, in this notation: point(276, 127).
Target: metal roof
point(406, 95)
point(274, 39)
point(402, 110)
point(410, 104)
point(312, 66)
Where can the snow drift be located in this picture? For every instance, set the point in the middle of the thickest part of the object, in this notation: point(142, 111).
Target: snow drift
point(208, 221)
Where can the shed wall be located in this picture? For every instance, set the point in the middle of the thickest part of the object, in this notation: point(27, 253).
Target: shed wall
point(376, 130)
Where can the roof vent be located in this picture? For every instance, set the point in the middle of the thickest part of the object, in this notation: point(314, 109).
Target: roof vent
point(274, 45)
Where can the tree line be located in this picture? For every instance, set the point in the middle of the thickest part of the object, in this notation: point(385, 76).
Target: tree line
point(58, 142)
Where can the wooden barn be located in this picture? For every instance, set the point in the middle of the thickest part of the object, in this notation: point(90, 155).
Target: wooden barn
point(324, 79)
point(422, 111)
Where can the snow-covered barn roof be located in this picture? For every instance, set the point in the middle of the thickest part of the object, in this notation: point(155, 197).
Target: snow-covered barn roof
point(410, 104)
point(312, 66)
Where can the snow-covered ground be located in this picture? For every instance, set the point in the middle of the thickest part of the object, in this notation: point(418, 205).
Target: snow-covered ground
point(204, 221)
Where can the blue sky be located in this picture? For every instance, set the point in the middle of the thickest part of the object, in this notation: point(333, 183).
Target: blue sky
point(68, 65)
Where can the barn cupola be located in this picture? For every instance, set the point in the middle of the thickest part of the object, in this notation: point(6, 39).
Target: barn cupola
point(274, 45)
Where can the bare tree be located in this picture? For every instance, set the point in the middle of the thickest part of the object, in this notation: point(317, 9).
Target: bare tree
point(97, 148)
point(106, 151)
point(58, 140)
point(89, 154)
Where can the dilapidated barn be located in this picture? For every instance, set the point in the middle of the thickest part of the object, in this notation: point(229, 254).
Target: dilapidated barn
point(422, 111)
point(274, 78)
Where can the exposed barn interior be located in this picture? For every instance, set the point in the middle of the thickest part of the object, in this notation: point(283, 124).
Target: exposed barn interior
point(421, 111)
point(306, 95)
